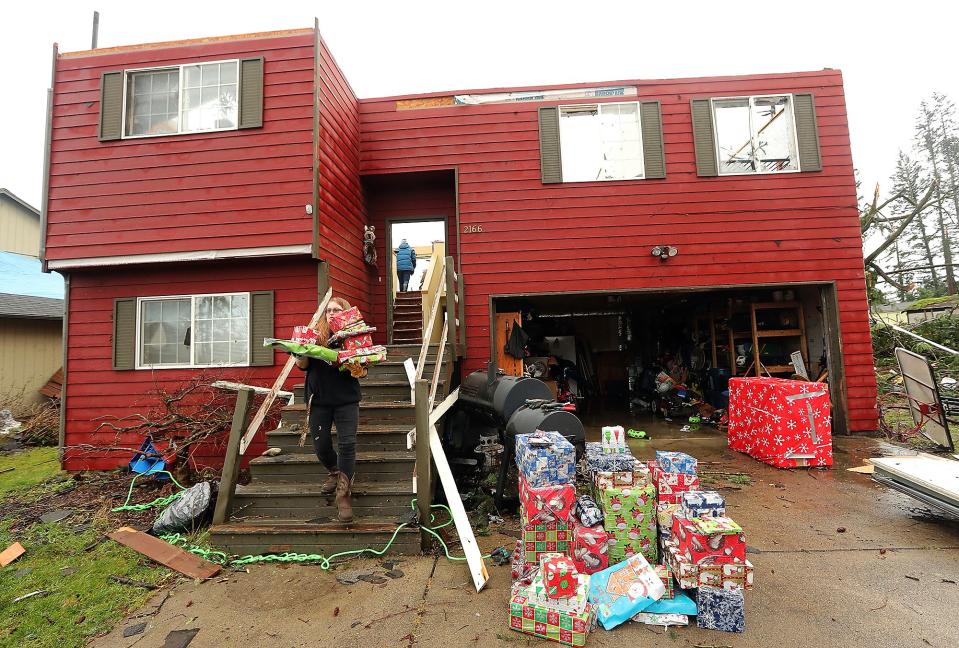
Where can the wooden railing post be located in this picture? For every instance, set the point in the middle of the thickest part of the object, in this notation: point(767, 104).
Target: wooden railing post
point(231, 461)
point(424, 489)
point(451, 310)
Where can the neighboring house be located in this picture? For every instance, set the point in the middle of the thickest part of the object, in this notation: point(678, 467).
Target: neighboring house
point(930, 309)
point(202, 194)
point(31, 307)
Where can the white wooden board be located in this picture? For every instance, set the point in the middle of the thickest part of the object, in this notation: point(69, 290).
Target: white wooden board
point(936, 475)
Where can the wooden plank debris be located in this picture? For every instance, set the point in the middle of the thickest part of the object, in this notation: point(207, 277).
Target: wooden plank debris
point(11, 553)
point(165, 553)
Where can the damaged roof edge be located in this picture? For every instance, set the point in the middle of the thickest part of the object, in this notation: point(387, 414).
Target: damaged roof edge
point(101, 51)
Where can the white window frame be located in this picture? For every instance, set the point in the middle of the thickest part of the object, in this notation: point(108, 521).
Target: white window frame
point(792, 114)
point(192, 364)
point(642, 150)
point(179, 101)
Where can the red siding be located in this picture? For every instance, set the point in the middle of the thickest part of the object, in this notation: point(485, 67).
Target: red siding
point(341, 211)
point(177, 193)
point(411, 196)
point(94, 389)
point(800, 227)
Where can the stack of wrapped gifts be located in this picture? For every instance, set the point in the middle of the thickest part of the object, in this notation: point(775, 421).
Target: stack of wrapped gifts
point(550, 587)
point(781, 422)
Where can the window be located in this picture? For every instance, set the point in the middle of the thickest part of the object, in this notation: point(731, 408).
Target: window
point(601, 142)
point(194, 331)
point(755, 135)
point(183, 99)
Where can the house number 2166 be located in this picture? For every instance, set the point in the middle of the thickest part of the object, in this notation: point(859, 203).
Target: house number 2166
point(472, 229)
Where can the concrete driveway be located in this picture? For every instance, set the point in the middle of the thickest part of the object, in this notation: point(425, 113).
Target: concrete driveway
point(839, 562)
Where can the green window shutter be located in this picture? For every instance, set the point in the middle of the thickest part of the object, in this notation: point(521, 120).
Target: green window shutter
point(807, 132)
point(261, 326)
point(550, 155)
point(251, 93)
point(703, 138)
point(651, 121)
point(125, 333)
point(111, 106)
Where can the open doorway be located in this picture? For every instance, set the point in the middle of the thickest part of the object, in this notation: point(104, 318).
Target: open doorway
point(413, 247)
point(660, 361)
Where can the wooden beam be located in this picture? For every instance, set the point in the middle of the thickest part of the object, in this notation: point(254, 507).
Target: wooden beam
point(438, 412)
point(423, 476)
point(165, 553)
point(231, 461)
point(427, 335)
point(451, 310)
point(267, 403)
point(437, 367)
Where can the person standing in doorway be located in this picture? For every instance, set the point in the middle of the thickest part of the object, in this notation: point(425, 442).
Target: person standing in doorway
point(333, 398)
point(405, 264)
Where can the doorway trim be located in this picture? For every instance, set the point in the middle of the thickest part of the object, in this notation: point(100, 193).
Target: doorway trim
point(390, 261)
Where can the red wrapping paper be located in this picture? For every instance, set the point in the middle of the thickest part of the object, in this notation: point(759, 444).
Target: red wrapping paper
point(546, 503)
point(785, 423)
point(696, 547)
point(590, 548)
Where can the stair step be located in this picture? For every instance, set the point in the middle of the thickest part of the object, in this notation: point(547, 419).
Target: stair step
point(394, 466)
point(370, 438)
point(371, 413)
point(303, 501)
point(275, 536)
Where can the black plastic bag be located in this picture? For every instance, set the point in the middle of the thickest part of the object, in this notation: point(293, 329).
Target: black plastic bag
point(190, 511)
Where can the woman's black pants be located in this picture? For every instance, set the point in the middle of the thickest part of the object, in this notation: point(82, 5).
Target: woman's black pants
point(346, 419)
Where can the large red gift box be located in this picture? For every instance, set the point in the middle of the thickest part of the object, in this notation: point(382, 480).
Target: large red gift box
point(546, 503)
point(715, 539)
point(670, 486)
point(781, 422)
point(590, 551)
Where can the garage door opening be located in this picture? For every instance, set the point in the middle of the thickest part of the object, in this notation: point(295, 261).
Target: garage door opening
point(652, 360)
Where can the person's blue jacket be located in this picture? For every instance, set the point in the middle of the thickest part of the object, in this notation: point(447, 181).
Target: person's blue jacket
point(405, 258)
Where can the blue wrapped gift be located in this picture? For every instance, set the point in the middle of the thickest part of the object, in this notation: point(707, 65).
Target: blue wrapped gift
point(679, 604)
point(720, 609)
point(621, 591)
point(597, 460)
point(702, 504)
point(676, 462)
point(545, 458)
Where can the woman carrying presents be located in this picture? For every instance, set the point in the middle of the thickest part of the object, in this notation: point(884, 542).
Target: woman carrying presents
point(333, 398)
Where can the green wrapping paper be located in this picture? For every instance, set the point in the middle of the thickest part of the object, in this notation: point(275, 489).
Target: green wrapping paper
point(308, 350)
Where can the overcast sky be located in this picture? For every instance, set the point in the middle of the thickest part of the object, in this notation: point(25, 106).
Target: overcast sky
point(892, 54)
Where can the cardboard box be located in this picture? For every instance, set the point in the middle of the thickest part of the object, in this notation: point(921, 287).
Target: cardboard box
point(547, 622)
point(638, 477)
point(785, 423)
point(720, 609)
point(671, 486)
point(545, 503)
point(590, 548)
point(596, 459)
point(628, 507)
point(717, 539)
point(587, 511)
point(690, 576)
point(613, 439)
point(346, 318)
point(631, 541)
point(538, 593)
point(559, 576)
point(545, 537)
point(358, 341)
point(676, 462)
point(545, 458)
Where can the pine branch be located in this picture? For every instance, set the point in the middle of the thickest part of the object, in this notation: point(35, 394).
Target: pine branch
point(919, 208)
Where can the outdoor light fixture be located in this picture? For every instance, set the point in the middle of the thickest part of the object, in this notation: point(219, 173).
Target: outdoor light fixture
point(664, 252)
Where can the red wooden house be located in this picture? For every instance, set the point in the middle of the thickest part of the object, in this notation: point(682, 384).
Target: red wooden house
point(201, 195)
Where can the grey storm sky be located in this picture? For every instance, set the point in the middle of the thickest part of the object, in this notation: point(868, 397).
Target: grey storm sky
point(892, 54)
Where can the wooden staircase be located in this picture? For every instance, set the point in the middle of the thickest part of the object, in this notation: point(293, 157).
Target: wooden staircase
point(408, 318)
point(282, 510)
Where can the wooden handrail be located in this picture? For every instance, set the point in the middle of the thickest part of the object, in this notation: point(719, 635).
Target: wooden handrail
point(267, 403)
point(436, 368)
point(428, 334)
point(450, 330)
point(231, 461)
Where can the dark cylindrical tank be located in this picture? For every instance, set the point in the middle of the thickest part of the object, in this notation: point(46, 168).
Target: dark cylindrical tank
point(527, 421)
point(504, 396)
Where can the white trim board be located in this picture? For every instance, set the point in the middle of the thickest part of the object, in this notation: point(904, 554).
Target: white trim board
point(932, 474)
point(173, 257)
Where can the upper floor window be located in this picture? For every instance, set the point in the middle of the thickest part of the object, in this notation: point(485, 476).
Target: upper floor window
point(601, 142)
point(182, 99)
point(755, 135)
point(194, 331)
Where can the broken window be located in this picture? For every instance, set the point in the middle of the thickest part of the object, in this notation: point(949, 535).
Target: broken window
point(755, 135)
point(183, 99)
point(601, 142)
point(197, 331)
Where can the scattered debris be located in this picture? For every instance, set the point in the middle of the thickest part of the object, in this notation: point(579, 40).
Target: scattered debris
point(868, 469)
point(6, 470)
point(352, 577)
point(915, 578)
point(56, 516)
point(11, 553)
point(272, 452)
point(68, 571)
point(500, 556)
point(841, 530)
point(187, 512)
point(372, 578)
point(23, 571)
point(336, 611)
point(134, 629)
point(165, 554)
point(123, 580)
point(395, 573)
point(31, 595)
point(180, 638)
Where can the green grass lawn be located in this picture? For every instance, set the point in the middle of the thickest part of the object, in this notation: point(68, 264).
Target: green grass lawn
point(71, 560)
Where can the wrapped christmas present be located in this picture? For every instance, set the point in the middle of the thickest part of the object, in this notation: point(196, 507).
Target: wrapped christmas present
point(613, 440)
point(622, 590)
point(720, 609)
point(690, 575)
point(676, 462)
point(545, 537)
point(345, 319)
point(303, 349)
point(718, 539)
point(590, 548)
point(587, 511)
point(544, 620)
point(559, 576)
point(545, 503)
point(545, 458)
point(702, 504)
point(596, 459)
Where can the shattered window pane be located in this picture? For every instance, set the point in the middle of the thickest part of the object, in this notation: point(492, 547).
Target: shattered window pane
point(601, 142)
point(755, 135)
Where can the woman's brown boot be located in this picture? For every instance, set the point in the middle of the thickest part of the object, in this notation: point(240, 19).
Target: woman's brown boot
point(344, 508)
point(329, 486)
